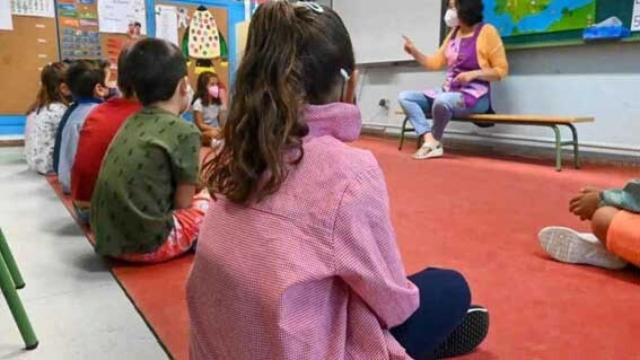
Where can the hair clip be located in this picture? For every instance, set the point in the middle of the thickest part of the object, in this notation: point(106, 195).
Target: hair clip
point(311, 6)
point(345, 74)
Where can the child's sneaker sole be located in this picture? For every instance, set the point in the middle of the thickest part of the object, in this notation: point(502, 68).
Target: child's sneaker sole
point(467, 336)
point(568, 246)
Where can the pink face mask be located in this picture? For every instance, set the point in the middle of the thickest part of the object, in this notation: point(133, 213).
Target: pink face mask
point(214, 91)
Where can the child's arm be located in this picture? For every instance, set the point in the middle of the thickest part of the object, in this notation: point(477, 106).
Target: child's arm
point(625, 199)
point(366, 254)
point(184, 196)
point(185, 164)
point(199, 121)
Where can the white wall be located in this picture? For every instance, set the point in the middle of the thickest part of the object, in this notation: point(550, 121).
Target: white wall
point(597, 80)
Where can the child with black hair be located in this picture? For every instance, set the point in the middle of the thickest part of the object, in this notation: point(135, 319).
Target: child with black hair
point(98, 130)
point(44, 116)
point(145, 207)
point(209, 105)
point(297, 257)
point(86, 79)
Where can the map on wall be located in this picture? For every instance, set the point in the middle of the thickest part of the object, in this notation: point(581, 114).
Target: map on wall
point(522, 17)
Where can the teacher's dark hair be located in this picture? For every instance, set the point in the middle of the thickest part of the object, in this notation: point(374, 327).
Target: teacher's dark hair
point(293, 56)
point(470, 12)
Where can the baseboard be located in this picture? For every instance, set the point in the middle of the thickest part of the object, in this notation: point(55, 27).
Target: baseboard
point(536, 148)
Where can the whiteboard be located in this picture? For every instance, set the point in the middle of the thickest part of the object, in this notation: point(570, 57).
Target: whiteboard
point(377, 26)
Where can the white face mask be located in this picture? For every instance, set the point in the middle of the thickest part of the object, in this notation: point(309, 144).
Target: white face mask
point(451, 18)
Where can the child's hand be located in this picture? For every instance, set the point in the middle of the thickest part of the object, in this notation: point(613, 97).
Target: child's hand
point(586, 203)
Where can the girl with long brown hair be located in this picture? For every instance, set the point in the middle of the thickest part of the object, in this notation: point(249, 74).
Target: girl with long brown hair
point(209, 105)
point(297, 258)
point(43, 117)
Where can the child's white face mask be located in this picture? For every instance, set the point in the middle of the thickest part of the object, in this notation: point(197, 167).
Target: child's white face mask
point(451, 18)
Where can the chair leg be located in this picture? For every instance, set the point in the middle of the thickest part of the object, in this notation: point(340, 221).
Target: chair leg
point(402, 132)
point(15, 305)
point(5, 252)
point(576, 148)
point(558, 134)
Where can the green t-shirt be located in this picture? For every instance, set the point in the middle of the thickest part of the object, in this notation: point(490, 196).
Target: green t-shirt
point(133, 202)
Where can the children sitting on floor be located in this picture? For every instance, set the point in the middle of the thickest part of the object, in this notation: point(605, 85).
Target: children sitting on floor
point(209, 105)
point(100, 127)
point(44, 117)
point(615, 221)
point(86, 80)
point(144, 207)
point(297, 258)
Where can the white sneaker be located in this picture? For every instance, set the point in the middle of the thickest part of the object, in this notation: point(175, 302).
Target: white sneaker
point(428, 151)
point(569, 246)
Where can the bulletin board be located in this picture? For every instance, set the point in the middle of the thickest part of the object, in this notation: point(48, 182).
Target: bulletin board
point(31, 44)
point(78, 29)
point(221, 17)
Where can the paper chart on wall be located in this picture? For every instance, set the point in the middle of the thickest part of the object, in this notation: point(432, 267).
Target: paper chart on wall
point(6, 23)
point(635, 18)
point(40, 8)
point(167, 23)
point(114, 16)
point(80, 44)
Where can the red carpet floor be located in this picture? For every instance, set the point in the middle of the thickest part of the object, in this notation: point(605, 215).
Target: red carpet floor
point(479, 215)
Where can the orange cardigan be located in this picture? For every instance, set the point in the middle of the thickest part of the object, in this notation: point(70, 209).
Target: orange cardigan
point(491, 53)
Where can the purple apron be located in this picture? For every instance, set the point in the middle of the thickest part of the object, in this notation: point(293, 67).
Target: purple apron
point(462, 56)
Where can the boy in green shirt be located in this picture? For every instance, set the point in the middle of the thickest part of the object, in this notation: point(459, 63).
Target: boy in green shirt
point(145, 207)
point(615, 221)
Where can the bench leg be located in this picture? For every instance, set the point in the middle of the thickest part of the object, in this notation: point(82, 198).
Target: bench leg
point(5, 253)
point(576, 149)
point(15, 305)
point(558, 134)
point(402, 132)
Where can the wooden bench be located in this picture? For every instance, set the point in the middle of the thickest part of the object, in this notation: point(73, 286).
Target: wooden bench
point(553, 122)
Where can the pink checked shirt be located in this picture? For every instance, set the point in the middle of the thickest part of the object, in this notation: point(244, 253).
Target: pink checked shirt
point(311, 272)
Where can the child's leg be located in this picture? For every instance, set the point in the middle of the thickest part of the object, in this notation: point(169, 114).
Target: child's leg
point(183, 236)
point(601, 221)
point(621, 229)
point(444, 300)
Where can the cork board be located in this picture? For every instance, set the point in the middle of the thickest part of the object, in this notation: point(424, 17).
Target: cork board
point(242, 35)
point(221, 17)
point(31, 44)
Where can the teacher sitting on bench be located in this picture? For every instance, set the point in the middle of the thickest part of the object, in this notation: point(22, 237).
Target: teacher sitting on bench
point(474, 55)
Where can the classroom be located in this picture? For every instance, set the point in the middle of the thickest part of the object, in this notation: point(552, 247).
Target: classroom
point(319, 179)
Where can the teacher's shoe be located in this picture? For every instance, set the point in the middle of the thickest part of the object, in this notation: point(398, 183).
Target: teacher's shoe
point(428, 151)
point(569, 246)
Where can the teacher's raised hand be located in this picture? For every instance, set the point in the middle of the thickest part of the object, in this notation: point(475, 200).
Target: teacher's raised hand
point(409, 47)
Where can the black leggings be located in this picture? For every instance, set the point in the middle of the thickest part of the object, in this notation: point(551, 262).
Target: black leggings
point(444, 300)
